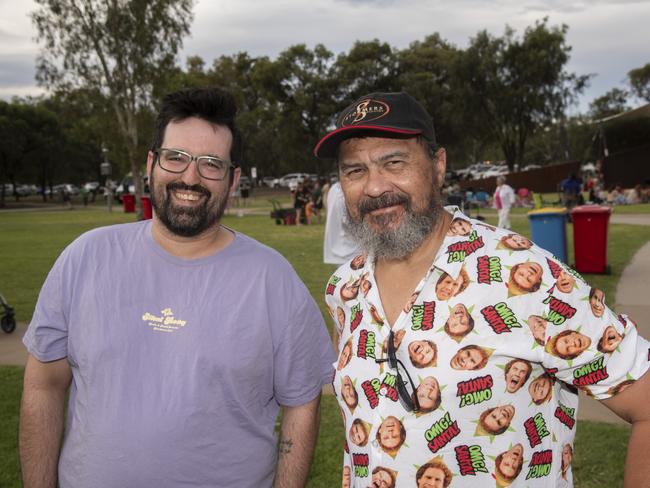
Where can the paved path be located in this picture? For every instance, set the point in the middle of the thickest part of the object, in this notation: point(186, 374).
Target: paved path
point(12, 350)
point(631, 298)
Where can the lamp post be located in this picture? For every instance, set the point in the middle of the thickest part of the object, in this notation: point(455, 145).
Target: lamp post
point(105, 169)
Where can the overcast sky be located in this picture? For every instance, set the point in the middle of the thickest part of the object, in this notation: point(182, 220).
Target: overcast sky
point(608, 37)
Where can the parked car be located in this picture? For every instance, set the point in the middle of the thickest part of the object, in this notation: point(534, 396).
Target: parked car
point(26, 190)
point(91, 186)
point(66, 187)
point(291, 180)
point(268, 181)
point(127, 186)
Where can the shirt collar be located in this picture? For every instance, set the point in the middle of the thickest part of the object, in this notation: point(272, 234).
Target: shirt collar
point(441, 257)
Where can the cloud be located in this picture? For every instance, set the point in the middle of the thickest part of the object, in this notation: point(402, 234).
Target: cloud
point(369, 3)
point(16, 71)
point(9, 37)
point(609, 37)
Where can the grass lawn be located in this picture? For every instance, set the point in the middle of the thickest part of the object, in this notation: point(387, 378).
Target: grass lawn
point(31, 241)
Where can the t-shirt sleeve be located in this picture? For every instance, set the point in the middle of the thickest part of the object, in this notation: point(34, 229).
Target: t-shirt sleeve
point(47, 335)
point(304, 357)
point(593, 348)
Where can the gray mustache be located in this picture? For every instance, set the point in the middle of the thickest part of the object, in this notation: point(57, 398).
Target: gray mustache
point(387, 200)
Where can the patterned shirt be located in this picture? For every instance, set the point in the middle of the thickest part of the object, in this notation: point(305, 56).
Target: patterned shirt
point(497, 337)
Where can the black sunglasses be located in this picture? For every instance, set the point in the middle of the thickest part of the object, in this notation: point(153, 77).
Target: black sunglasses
point(405, 389)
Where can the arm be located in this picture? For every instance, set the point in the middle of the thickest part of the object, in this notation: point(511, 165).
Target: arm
point(632, 404)
point(298, 433)
point(41, 421)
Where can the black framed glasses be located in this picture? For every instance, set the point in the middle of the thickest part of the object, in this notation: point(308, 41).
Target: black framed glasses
point(177, 161)
point(406, 390)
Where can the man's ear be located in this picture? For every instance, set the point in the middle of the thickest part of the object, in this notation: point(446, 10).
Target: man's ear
point(151, 160)
point(440, 166)
point(236, 173)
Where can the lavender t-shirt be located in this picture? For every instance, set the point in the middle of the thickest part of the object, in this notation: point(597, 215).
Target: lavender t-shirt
point(179, 366)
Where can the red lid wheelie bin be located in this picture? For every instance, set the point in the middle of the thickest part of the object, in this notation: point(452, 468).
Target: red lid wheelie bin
point(590, 224)
point(146, 207)
point(128, 201)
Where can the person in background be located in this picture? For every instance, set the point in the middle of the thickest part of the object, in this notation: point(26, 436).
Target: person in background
point(524, 197)
point(301, 198)
point(315, 204)
point(338, 246)
point(571, 190)
point(84, 195)
point(504, 199)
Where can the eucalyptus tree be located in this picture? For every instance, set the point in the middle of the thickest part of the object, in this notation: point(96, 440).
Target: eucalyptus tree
point(120, 48)
point(518, 86)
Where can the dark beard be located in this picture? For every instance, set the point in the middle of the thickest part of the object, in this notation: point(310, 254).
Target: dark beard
point(187, 221)
point(400, 242)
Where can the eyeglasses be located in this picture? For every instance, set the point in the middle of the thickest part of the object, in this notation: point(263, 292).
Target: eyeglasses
point(176, 161)
point(405, 389)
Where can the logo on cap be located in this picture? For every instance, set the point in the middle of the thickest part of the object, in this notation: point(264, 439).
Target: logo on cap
point(366, 111)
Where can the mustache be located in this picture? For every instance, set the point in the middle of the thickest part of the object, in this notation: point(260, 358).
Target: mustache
point(367, 205)
point(182, 186)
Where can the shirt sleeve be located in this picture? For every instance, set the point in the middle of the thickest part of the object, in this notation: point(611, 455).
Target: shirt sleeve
point(47, 335)
point(303, 359)
point(593, 348)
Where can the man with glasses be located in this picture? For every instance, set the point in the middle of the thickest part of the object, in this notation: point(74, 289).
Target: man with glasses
point(429, 394)
point(178, 338)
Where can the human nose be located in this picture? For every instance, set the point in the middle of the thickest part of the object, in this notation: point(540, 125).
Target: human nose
point(191, 174)
point(376, 183)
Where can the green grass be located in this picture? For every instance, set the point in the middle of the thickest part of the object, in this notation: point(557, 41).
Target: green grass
point(11, 381)
point(599, 454)
point(31, 241)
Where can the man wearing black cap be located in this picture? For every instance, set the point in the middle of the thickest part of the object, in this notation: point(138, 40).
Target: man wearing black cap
point(391, 171)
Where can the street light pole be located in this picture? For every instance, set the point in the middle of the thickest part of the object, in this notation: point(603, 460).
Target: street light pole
point(105, 169)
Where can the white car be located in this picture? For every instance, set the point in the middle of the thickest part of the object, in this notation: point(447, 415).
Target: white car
point(67, 187)
point(91, 186)
point(291, 180)
point(496, 171)
point(269, 181)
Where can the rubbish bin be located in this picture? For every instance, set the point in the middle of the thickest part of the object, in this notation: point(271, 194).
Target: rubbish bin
point(146, 207)
point(129, 203)
point(548, 230)
point(590, 224)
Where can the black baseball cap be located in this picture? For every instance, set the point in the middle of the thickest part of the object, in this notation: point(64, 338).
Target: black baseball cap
point(378, 114)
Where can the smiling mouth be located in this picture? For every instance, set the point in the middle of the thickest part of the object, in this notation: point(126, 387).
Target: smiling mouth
point(187, 196)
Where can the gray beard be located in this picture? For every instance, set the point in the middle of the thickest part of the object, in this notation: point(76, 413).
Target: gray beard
point(400, 242)
point(183, 221)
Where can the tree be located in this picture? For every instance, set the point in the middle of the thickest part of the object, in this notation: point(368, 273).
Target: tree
point(121, 48)
point(307, 98)
point(255, 84)
point(427, 72)
point(36, 142)
point(639, 79)
point(15, 130)
point(518, 86)
point(611, 103)
point(369, 66)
